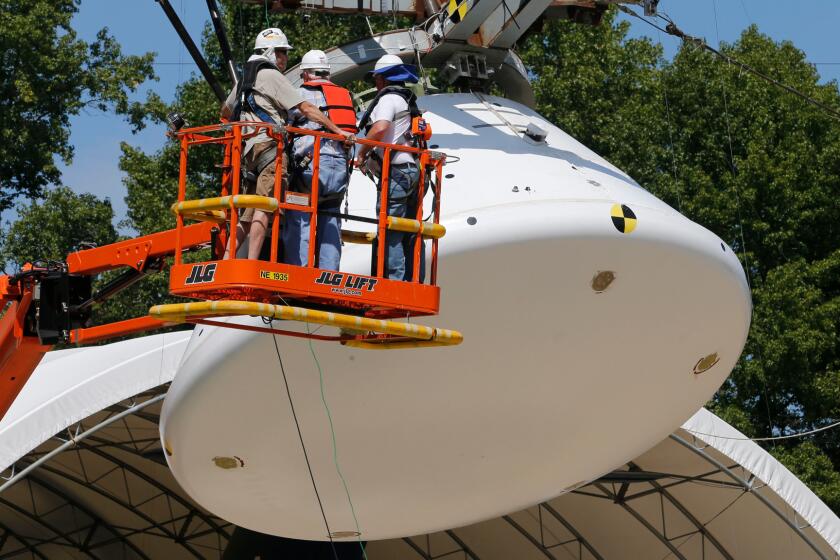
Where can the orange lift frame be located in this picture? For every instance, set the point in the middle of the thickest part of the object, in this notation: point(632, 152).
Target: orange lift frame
point(238, 286)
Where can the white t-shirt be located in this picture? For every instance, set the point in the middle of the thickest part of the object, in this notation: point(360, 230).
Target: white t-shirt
point(388, 107)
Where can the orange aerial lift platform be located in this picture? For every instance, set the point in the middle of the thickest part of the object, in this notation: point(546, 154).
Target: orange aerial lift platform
point(45, 305)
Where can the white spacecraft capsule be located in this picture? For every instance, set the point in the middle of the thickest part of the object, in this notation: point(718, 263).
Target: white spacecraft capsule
point(597, 319)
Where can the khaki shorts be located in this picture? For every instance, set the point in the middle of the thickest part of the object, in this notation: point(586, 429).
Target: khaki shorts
point(265, 181)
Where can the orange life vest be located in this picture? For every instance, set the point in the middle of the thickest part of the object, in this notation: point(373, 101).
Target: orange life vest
point(339, 104)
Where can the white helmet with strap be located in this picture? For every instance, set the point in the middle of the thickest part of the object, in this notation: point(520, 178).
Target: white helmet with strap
point(315, 60)
point(271, 38)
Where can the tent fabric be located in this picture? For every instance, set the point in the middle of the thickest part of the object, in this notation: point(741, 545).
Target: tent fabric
point(733, 444)
point(70, 385)
point(708, 497)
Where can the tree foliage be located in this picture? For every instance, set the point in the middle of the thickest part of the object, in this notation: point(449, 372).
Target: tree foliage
point(47, 75)
point(62, 222)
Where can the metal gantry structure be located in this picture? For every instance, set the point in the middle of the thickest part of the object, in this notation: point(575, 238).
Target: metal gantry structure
point(102, 490)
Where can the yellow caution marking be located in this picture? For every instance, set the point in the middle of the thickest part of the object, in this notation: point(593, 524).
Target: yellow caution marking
point(623, 218)
point(457, 10)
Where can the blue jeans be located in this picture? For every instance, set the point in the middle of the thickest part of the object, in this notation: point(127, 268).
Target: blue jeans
point(402, 202)
point(332, 179)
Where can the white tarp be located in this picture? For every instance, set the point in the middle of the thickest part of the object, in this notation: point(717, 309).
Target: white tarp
point(732, 443)
point(70, 385)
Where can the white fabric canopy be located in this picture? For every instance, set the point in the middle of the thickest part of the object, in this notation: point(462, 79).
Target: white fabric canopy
point(692, 496)
point(70, 385)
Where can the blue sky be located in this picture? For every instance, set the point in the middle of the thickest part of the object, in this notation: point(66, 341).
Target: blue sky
point(141, 26)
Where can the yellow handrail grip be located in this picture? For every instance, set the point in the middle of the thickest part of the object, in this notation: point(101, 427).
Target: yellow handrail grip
point(215, 216)
point(400, 345)
point(264, 203)
point(427, 229)
point(360, 237)
point(179, 312)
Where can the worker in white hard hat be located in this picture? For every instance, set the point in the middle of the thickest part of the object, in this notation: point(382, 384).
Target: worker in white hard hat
point(265, 94)
point(388, 119)
point(333, 169)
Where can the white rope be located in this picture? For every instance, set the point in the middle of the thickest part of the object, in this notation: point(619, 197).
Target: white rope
point(775, 438)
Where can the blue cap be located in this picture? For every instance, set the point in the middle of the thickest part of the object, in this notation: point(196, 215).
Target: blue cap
point(398, 73)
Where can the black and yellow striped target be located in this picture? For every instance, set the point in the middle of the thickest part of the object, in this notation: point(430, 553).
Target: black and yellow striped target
point(457, 10)
point(623, 218)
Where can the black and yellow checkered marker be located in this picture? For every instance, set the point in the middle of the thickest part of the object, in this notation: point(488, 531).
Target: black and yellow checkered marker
point(457, 10)
point(623, 218)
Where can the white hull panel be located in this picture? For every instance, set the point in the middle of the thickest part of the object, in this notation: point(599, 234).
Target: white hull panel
point(554, 384)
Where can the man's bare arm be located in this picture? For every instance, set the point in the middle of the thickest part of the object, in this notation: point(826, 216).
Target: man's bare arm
point(312, 113)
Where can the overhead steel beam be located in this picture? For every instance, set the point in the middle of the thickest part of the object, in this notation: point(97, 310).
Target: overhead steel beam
point(466, 549)
point(466, 16)
point(29, 547)
point(417, 549)
point(98, 521)
point(571, 528)
point(196, 55)
point(540, 546)
point(221, 35)
point(688, 515)
point(164, 531)
point(518, 23)
point(39, 520)
point(751, 490)
point(645, 523)
point(151, 481)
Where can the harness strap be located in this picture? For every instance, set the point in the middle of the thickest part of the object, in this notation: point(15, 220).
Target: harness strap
point(264, 159)
point(245, 90)
point(257, 110)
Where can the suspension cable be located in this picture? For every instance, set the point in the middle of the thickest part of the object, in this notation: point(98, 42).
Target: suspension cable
point(672, 29)
point(769, 438)
point(303, 445)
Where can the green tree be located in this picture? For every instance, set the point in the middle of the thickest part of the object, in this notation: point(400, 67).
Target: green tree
point(47, 75)
point(59, 224)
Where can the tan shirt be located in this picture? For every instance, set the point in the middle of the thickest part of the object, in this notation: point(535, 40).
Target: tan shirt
point(275, 95)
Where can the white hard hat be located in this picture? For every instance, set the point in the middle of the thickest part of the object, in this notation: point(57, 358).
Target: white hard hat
point(386, 61)
point(315, 60)
point(271, 38)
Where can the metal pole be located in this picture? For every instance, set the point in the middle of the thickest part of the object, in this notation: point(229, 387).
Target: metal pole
point(194, 52)
point(224, 44)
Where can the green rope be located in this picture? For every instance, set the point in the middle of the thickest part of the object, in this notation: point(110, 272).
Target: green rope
point(334, 443)
point(265, 4)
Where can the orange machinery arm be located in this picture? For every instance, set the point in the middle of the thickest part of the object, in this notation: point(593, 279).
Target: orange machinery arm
point(22, 345)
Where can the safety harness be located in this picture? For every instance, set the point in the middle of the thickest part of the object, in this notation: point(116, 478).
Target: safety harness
point(418, 132)
point(416, 140)
point(245, 100)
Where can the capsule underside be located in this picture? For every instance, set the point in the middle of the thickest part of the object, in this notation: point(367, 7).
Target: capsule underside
point(584, 346)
